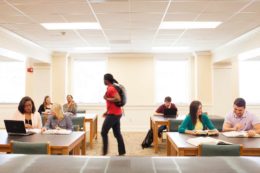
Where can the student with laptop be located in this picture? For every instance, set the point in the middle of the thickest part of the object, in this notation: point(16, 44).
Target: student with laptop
point(196, 121)
point(242, 120)
point(168, 110)
point(27, 113)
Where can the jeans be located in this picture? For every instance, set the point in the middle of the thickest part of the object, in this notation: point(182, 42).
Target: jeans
point(160, 130)
point(112, 121)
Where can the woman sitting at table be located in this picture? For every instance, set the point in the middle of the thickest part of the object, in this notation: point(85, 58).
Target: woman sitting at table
point(45, 107)
point(27, 112)
point(196, 120)
point(57, 120)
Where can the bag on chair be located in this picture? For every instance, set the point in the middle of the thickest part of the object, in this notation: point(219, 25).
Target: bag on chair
point(148, 140)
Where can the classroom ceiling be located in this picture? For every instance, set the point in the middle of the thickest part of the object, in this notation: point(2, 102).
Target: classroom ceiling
point(129, 25)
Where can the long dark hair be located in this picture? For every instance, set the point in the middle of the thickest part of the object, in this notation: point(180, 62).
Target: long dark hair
point(22, 103)
point(44, 102)
point(109, 77)
point(194, 106)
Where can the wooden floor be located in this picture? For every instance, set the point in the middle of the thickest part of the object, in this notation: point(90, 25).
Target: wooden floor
point(132, 141)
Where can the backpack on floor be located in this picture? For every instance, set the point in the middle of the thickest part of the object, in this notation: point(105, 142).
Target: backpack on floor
point(148, 140)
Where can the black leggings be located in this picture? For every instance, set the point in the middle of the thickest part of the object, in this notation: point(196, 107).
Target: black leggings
point(112, 121)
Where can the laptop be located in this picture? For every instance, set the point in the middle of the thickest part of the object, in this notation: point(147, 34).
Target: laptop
point(169, 113)
point(16, 128)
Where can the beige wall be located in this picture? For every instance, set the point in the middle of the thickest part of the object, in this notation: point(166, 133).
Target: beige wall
point(136, 73)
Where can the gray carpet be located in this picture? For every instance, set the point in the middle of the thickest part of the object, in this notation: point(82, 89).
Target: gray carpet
point(132, 141)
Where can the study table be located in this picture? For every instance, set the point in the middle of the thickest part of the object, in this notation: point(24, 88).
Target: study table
point(177, 145)
point(59, 144)
point(157, 121)
point(10, 163)
point(92, 119)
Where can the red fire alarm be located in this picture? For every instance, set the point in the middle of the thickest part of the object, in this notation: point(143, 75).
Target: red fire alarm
point(30, 69)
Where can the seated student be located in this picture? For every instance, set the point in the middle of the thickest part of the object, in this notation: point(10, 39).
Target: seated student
point(161, 110)
point(57, 120)
point(241, 119)
point(196, 120)
point(45, 107)
point(70, 108)
point(26, 112)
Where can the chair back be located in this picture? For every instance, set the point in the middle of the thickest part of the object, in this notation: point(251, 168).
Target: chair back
point(220, 150)
point(30, 147)
point(218, 123)
point(78, 123)
point(81, 111)
point(174, 125)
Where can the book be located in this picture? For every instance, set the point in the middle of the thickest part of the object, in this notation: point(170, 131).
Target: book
point(238, 134)
point(206, 133)
point(206, 140)
point(57, 132)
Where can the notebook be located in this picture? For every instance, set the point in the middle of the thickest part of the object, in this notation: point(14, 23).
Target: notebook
point(16, 127)
point(169, 113)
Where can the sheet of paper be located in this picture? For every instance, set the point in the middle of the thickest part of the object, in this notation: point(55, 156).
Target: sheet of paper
point(237, 134)
point(57, 132)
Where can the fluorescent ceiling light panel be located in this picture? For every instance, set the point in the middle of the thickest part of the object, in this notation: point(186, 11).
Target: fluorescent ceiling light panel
point(189, 25)
point(249, 54)
point(90, 49)
point(171, 49)
point(11, 54)
point(71, 26)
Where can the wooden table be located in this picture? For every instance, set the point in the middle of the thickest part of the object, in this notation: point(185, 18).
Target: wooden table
point(10, 163)
point(92, 119)
point(157, 121)
point(177, 145)
point(59, 144)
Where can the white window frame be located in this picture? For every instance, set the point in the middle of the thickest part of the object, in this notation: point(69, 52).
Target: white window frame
point(101, 87)
point(159, 98)
point(250, 91)
point(12, 88)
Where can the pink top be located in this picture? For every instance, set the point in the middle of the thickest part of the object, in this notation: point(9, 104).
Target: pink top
point(248, 120)
point(36, 119)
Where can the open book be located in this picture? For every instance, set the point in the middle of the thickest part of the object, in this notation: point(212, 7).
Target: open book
point(238, 134)
point(206, 133)
point(206, 140)
point(57, 132)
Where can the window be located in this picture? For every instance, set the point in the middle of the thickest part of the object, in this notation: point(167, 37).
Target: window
point(12, 77)
point(249, 85)
point(172, 80)
point(88, 85)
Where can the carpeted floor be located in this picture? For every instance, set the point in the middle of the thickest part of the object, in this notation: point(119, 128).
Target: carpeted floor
point(132, 141)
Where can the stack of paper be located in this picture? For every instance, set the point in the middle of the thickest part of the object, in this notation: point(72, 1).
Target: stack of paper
point(241, 134)
point(57, 132)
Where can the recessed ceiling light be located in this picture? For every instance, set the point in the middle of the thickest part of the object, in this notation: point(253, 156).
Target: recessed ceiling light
point(189, 25)
point(11, 54)
point(171, 49)
point(71, 26)
point(89, 49)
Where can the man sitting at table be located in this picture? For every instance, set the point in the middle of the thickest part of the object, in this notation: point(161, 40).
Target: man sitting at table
point(241, 119)
point(162, 109)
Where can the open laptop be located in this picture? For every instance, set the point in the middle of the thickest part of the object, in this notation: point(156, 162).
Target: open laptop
point(16, 127)
point(169, 113)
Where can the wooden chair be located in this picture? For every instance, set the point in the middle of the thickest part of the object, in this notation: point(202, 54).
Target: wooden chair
point(220, 150)
point(218, 123)
point(78, 123)
point(174, 125)
point(30, 147)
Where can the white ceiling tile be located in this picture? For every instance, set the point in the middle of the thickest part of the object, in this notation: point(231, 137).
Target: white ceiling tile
point(225, 6)
point(111, 7)
point(180, 16)
point(193, 7)
point(148, 7)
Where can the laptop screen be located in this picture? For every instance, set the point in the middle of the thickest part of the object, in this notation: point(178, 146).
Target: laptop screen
point(15, 126)
point(170, 113)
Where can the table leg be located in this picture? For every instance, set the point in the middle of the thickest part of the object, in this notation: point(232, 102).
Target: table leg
point(155, 136)
point(91, 134)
